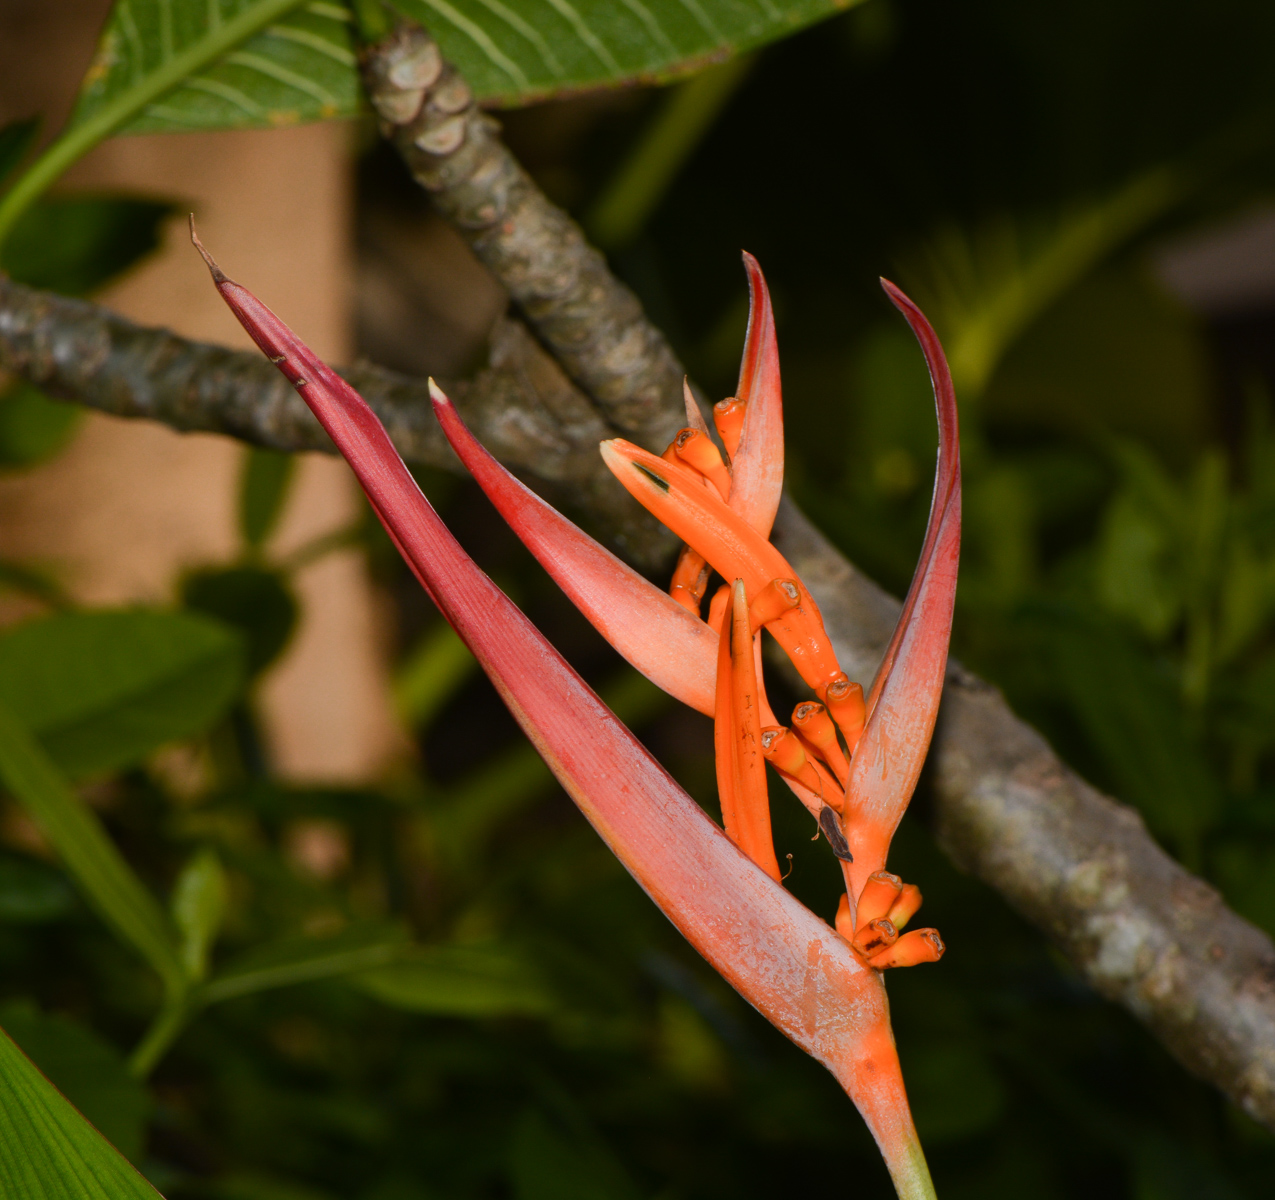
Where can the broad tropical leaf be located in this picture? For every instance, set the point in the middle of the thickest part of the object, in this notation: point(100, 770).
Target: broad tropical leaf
point(47, 1150)
point(102, 689)
point(460, 981)
point(87, 1069)
point(298, 62)
point(226, 64)
point(89, 855)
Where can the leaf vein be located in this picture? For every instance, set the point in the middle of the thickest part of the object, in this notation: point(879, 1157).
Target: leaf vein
point(703, 19)
point(586, 35)
point(137, 62)
point(281, 74)
point(647, 17)
point(480, 38)
point(224, 91)
point(316, 42)
point(528, 31)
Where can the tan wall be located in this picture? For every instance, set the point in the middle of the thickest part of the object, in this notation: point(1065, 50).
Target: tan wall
point(130, 504)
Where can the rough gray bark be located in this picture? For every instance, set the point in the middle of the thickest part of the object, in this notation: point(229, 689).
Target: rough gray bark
point(590, 321)
point(521, 404)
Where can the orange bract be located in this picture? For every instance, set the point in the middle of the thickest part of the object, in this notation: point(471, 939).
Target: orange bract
point(728, 418)
point(741, 770)
point(733, 548)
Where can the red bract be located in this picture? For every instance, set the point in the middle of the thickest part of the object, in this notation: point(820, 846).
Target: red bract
point(806, 977)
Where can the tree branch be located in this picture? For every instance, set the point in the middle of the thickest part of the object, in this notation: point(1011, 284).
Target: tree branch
point(521, 404)
point(591, 322)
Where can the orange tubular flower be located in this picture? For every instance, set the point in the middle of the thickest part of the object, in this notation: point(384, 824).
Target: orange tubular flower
point(823, 987)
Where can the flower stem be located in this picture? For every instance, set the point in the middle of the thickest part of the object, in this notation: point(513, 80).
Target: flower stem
point(910, 1173)
point(168, 1023)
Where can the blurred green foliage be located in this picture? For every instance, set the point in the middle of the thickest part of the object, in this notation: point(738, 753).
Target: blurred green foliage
point(444, 985)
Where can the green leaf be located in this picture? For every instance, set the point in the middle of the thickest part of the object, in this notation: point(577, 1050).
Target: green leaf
point(254, 600)
point(176, 65)
point(293, 66)
point(437, 665)
point(103, 689)
point(33, 581)
point(461, 981)
point(33, 427)
point(1131, 716)
point(48, 1151)
point(304, 960)
point(198, 904)
point(86, 1069)
point(522, 50)
point(302, 66)
point(148, 49)
point(984, 286)
point(31, 893)
point(89, 855)
point(263, 488)
point(547, 1163)
point(74, 244)
point(1132, 575)
point(16, 139)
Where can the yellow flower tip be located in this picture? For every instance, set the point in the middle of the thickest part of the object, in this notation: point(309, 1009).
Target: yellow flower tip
point(728, 417)
point(699, 452)
point(783, 749)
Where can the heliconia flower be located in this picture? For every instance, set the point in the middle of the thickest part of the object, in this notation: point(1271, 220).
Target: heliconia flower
point(806, 977)
point(669, 644)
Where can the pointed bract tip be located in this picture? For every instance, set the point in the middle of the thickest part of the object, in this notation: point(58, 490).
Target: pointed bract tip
point(694, 418)
point(437, 395)
point(900, 299)
point(219, 276)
